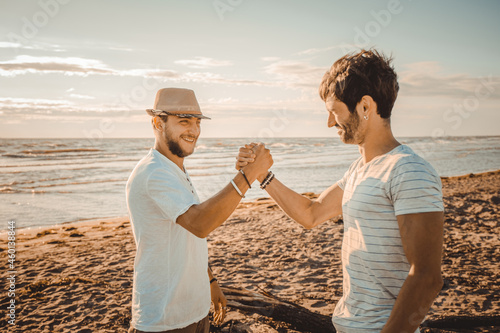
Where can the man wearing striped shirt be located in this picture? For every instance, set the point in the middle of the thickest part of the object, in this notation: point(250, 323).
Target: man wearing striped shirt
point(390, 199)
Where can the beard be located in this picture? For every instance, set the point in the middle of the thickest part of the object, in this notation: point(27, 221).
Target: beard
point(176, 149)
point(350, 128)
point(174, 146)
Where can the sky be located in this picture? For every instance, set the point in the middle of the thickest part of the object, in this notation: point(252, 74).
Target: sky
point(89, 69)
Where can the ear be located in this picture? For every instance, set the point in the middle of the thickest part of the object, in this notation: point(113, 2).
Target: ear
point(368, 105)
point(158, 124)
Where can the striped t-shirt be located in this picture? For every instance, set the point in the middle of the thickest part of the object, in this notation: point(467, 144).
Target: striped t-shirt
point(373, 260)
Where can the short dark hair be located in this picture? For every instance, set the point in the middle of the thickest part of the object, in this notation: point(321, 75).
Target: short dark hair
point(163, 117)
point(367, 72)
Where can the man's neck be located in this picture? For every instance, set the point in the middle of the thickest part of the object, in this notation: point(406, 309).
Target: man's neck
point(163, 149)
point(377, 143)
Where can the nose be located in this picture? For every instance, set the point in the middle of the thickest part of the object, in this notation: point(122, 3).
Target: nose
point(331, 120)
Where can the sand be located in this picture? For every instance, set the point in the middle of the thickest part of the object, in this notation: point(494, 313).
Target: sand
point(78, 277)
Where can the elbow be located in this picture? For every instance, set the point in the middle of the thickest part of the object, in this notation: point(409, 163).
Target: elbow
point(437, 283)
point(307, 223)
point(194, 222)
point(197, 229)
point(311, 223)
point(308, 220)
point(307, 226)
point(432, 282)
point(200, 233)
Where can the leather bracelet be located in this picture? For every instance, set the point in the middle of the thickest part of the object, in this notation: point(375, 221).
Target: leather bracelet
point(246, 179)
point(213, 280)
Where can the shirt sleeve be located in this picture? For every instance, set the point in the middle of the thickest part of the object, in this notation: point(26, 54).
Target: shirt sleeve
point(170, 195)
point(415, 187)
point(343, 181)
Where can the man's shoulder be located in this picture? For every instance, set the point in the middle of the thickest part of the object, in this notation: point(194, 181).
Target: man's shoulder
point(152, 166)
point(406, 160)
point(355, 165)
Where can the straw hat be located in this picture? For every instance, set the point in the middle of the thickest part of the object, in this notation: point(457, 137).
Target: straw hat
point(177, 102)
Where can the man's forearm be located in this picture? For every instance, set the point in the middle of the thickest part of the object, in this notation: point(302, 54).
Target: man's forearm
point(294, 204)
point(203, 218)
point(413, 303)
point(309, 213)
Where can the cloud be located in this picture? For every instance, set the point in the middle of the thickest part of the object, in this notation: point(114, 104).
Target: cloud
point(24, 64)
point(157, 73)
point(296, 68)
point(267, 59)
point(343, 48)
point(428, 79)
point(224, 100)
point(207, 77)
point(119, 48)
point(10, 45)
point(296, 73)
point(33, 46)
point(28, 107)
point(316, 50)
point(81, 96)
point(203, 62)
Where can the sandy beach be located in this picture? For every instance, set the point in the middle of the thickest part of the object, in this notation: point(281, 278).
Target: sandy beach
point(78, 277)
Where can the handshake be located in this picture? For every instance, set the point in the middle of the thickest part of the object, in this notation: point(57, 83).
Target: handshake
point(255, 160)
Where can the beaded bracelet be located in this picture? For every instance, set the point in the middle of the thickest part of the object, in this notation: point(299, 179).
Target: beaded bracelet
point(267, 180)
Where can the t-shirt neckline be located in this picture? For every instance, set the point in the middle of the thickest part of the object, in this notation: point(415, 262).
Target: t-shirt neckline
point(376, 158)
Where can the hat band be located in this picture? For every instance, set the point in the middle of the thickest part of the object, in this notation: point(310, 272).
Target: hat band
point(180, 114)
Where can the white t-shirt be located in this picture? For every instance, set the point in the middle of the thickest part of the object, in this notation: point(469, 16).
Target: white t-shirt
point(171, 288)
point(374, 264)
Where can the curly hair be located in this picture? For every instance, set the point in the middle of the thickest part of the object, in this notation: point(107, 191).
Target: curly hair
point(367, 72)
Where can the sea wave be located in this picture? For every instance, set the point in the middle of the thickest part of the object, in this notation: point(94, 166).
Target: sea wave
point(15, 182)
point(206, 174)
point(123, 180)
point(10, 190)
point(206, 166)
point(79, 162)
point(52, 151)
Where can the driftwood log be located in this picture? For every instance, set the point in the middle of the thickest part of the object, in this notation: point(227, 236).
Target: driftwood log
point(303, 320)
point(469, 322)
point(298, 317)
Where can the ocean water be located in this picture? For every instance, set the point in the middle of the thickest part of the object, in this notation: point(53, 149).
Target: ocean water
point(51, 181)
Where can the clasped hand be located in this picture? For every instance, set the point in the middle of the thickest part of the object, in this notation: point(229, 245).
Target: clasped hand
point(255, 160)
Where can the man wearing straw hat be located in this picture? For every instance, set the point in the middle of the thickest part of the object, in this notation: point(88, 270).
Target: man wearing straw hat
point(390, 199)
point(173, 285)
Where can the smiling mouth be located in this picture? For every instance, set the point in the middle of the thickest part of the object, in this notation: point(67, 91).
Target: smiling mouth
point(189, 139)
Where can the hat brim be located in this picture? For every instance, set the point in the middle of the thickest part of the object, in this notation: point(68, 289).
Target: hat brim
point(154, 113)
